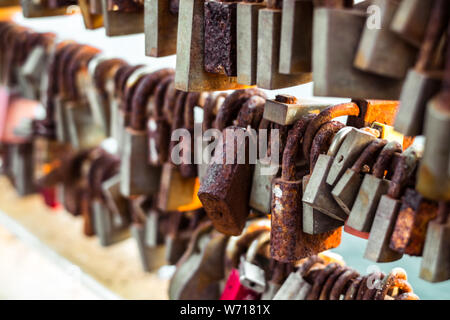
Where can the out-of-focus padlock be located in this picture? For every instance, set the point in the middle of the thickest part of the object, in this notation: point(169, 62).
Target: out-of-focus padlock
point(295, 283)
point(279, 274)
point(288, 241)
point(286, 110)
point(375, 42)
point(435, 265)
point(333, 55)
point(411, 19)
point(138, 177)
point(372, 188)
point(190, 72)
point(346, 189)
point(91, 20)
point(268, 60)
point(296, 37)
point(433, 180)
point(386, 214)
point(121, 22)
point(32, 9)
point(251, 274)
point(422, 82)
point(410, 228)
point(160, 24)
point(201, 268)
point(247, 41)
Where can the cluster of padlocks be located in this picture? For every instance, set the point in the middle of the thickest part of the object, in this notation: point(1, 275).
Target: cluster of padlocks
point(102, 141)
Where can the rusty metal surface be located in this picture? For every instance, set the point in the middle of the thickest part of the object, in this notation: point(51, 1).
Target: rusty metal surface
point(383, 111)
point(345, 109)
point(412, 221)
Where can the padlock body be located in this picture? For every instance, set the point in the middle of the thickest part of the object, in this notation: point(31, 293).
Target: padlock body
point(380, 50)
point(377, 249)
point(411, 225)
point(160, 29)
point(175, 191)
point(433, 180)
point(435, 265)
point(247, 41)
point(152, 258)
point(296, 37)
point(119, 23)
point(346, 189)
point(269, 35)
point(137, 176)
point(261, 191)
point(314, 221)
point(318, 192)
point(418, 89)
point(333, 55)
point(366, 203)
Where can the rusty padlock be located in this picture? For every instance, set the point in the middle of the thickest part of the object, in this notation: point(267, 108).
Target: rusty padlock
point(247, 40)
point(220, 37)
point(158, 128)
point(268, 60)
point(138, 177)
point(375, 42)
point(372, 188)
point(160, 25)
point(435, 265)
point(346, 189)
point(279, 274)
point(190, 72)
point(387, 211)
point(286, 109)
point(288, 241)
point(333, 55)
point(296, 36)
point(32, 9)
point(410, 228)
point(424, 81)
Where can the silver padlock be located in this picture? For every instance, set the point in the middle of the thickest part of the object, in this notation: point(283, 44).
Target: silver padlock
point(372, 188)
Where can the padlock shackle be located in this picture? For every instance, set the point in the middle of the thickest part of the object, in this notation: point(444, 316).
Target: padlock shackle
point(251, 112)
point(341, 284)
point(144, 90)
point(437, 24)
point(306, 266)
point(208, 112)
point(369, 155)
point(103, 70)
point(192, 100)
point(324, 138)
point(292, 147)
point(170, 99)
point(53, 68)
point(232, 104)
point(344, 109)
point(63, 63)
point(256, 246)
point(389, 281)
point(405, 167)
point(385, 157)
point(78, 62)
point(160, 93)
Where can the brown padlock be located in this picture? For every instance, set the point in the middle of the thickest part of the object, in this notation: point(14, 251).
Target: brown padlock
point(91, 20)
point(288, 241)
point(411, 225)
